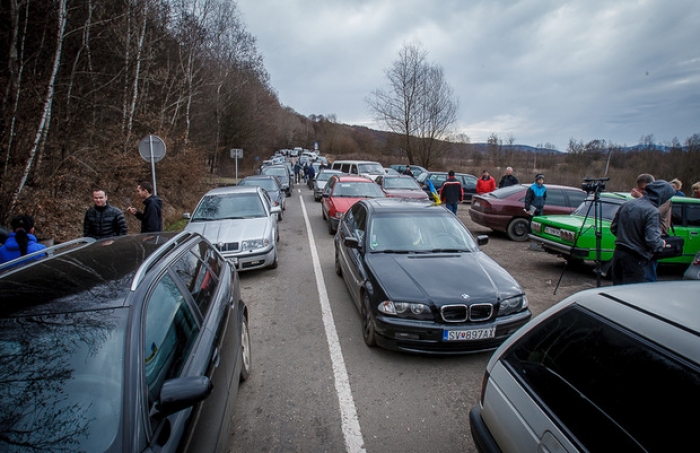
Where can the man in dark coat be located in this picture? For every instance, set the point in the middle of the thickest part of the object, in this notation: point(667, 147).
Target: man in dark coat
point(152, 216)
point(451, 192)
point(637, 233)
point(103, 220)
point(508, 179)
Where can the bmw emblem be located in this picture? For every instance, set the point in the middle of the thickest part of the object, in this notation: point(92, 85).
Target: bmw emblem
point(465, 296)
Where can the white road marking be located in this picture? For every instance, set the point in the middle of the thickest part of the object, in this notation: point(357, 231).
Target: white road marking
point(348, 412)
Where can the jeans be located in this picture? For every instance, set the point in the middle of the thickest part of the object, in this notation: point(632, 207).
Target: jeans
point(452, 207)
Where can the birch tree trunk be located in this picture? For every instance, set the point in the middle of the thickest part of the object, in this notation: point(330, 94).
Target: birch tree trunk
point(137, 75)
point(42, 129)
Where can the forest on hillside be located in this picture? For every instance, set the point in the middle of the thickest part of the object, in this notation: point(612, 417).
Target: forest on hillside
point(84, 81)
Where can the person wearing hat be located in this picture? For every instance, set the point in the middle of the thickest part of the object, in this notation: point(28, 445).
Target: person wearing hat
point(536, 196)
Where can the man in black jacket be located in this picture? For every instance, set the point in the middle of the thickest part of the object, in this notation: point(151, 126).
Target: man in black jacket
point(152, 216)
point(451, 192)
point(637, 233)
point(508, 179)
point(103, 220)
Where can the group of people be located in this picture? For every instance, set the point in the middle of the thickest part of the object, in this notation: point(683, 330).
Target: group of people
point(101, 221)
point(306, 171)
point(451, 193)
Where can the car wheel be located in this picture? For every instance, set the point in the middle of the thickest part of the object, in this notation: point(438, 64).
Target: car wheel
point(518, 229)
point(323, 213)
point(289, 193)
point(279, 216)
point(368, 324)
point(338, 269)
point(331, 230)
point(245, 355)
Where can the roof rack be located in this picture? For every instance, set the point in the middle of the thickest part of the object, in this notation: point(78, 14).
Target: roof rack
point(53, 250)
point(180, 238)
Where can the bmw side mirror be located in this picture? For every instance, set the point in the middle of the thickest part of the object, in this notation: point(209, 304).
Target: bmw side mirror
point(186, 215)
point(351, 242)
point(482, 239)
point(181, 393)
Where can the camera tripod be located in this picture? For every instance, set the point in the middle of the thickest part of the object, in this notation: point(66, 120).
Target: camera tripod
point(592, 186)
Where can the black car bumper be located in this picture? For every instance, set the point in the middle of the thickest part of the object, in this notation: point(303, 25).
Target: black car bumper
point(426, 337)
point(481, 435)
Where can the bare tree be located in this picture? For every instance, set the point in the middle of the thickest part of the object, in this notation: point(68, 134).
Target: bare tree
point(419, 106)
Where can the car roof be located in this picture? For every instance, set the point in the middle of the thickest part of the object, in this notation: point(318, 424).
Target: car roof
point(95, 276)
point(403, 206)
point(233, 189)
point(342, 177)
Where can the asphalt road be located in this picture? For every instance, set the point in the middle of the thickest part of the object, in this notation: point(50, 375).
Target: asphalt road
point(316, 387)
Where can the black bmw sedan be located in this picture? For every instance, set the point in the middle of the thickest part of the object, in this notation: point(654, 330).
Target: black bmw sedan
point(421, 282)
point(131, 344)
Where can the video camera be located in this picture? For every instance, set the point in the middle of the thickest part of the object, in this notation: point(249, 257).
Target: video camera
point(594, 185)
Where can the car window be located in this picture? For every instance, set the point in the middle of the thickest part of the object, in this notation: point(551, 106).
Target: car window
point(438, 179)
point(608, 209)
point(359, 220)
point(693, 215)
point(199, 270)
point(555, 197)
point(405, 233)
point(469, 181)
point(169, 334)
point(590, 373)
point(575, 197)
point(229, 206)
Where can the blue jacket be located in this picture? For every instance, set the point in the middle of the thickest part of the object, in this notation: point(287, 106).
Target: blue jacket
point(10, 249)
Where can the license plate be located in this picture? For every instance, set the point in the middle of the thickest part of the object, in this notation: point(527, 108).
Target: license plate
point(468, 335)
point(553, 231)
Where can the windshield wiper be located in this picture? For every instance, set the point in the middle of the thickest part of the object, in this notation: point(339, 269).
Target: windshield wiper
point(446, 250)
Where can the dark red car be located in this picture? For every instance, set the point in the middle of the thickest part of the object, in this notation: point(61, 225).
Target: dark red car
point(503, 209)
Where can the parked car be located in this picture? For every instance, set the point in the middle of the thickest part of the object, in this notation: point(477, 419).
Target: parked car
point(320, 181)
point(401, 187)
point(587, 374)
point(394, 254)
point(438, 178)
point(273, 187)
point(504, 209)
point(130, 344)
point(341, 192)
point(417, 170)
point(242, 222)
point(573, 236)
point(285, 176)
point(367, 168)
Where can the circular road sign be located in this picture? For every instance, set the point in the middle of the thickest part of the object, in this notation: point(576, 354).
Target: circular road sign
point(152, 145)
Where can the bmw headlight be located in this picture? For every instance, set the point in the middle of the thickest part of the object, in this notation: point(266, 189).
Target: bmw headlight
point(254, 244)
point(512, 305)
point(405, 310)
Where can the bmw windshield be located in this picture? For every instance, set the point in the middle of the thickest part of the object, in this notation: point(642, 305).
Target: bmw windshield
point(425, 234)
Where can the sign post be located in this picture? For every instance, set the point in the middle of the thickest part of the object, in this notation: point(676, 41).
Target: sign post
point(236, 153)
point(152, 149)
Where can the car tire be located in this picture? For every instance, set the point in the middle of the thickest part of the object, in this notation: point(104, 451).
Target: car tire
point(275, 262)
point(289, 193)
point(338, 269)
point(245, 355)
point(279, 216)
point(323, 213)
point(331, 230)
point(368, 331)
point(518, 229)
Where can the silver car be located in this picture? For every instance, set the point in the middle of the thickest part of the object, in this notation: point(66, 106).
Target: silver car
point(241, 222)
point(284, 175)
point(607, 369)
point(272, 185)
point(321, 180)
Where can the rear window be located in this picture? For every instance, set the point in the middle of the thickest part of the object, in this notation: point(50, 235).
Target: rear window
point(612, 389)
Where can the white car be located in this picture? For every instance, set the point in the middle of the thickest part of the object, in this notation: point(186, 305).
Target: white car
point(241, 222)
point(612, 369)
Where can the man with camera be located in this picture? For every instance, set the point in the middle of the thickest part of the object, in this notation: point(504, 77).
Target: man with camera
point(637, 233)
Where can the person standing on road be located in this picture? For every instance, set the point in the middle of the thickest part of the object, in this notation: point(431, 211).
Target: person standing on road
point(451, 192)
point(103, 220)
point(152, 216)
point(486, 183)
point(311, 174)
point(508, 179)
point(21, 240)
point(636, 226)
point(407, 171)
point(536, 196)
point(297, 169)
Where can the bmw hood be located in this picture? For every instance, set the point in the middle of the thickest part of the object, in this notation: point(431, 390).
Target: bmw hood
point(232, 230)
point(442, 278)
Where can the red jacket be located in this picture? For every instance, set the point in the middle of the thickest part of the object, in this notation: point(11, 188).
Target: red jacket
point(485, 185)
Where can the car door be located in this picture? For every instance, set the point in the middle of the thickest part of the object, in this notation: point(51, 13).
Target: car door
point(353, 225)
point(557, 203)
point(207, 276)
point(685, 221)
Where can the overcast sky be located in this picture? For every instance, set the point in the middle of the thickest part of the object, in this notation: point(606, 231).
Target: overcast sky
point(540, 71)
